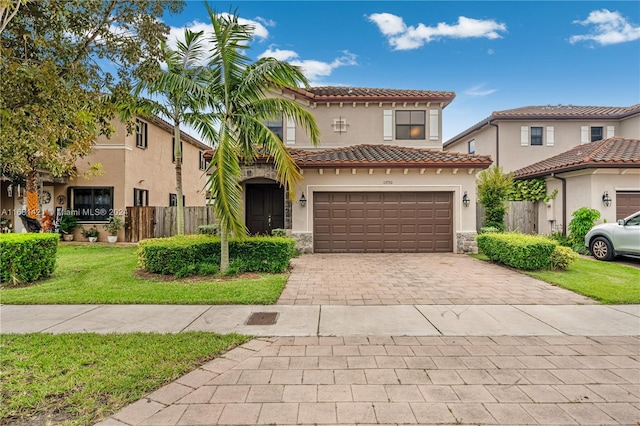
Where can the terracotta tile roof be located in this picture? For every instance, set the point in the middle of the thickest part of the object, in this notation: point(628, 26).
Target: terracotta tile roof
point(552, 112)
point(612, 152)
point(387, 156)
point(366, 94)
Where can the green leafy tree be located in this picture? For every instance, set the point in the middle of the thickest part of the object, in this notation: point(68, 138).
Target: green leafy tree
point(583, 220)
point(493, 188)
point(51, 111)
point(182, 82)
point(241, 106)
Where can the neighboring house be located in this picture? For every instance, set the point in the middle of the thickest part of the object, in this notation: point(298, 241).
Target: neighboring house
point(518, 137)
point(379, 180)
point(603, 175)
point(138, 170)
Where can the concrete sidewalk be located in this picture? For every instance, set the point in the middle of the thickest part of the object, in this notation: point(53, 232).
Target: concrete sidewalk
point(399, 320)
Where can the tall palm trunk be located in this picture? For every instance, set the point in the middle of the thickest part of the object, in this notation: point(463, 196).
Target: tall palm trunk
point(224, 250)
point(32, 194)
point(178, 156)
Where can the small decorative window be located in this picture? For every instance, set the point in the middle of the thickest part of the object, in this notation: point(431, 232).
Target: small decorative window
point(472, 146)
point(141, 134)
point(203, 161)
point(536, 136)
point(173, 200)
point(340, 125)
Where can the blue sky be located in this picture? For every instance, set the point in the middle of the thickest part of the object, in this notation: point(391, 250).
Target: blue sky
point(495, 55)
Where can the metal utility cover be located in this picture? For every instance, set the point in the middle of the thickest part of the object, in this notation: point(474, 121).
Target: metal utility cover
point(262, 318)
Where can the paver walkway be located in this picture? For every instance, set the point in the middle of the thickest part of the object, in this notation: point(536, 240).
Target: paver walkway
point(414, 279)
point(405, 380)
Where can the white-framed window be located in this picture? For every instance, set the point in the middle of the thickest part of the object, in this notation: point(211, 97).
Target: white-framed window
point(203, 161)
point(141, 134)
point(410, 124)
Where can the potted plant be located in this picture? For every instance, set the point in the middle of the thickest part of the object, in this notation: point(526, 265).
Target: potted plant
point(113, 225)
point(91, 234)
point(68, 224)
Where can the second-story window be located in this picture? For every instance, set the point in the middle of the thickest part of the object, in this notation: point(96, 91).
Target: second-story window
point(596, 134)
point(472, 146)
point(275, 125)
point(173, 152)
point(141, 134)
point(140, 197)
point(203, 161)
point(410, 124)
point(536, 136)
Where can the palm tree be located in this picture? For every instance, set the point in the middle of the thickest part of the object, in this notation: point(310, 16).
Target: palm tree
point(241, 106)
point(184, 87)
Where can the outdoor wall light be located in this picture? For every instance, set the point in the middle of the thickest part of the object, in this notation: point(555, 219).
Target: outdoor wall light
point(303, 200)
point(465, 199)
point(606, 200)
point(10, 191)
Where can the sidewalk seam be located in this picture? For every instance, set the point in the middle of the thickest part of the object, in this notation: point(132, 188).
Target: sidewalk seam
point(69, 319)
point(428, 320)
point(196, 318)
point(538, 319)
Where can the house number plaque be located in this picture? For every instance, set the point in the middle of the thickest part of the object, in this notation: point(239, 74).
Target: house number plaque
point(387, 182)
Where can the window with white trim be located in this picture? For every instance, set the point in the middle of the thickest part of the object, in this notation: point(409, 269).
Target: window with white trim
point(141, 134)
point(410, 124)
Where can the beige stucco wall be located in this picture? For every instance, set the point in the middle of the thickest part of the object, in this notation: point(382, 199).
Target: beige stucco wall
point(630, 127)
point(396, 181)
point(514, 156)
point(364, 124)
point(585, 189)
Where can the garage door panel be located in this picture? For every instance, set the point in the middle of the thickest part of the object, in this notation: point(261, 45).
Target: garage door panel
point(383, 222)
point(627, 203)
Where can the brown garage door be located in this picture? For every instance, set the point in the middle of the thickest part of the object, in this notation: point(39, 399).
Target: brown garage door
point(627, 203)
point(374, 222)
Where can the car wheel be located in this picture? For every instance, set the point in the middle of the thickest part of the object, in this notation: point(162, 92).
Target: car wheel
point(601, 249)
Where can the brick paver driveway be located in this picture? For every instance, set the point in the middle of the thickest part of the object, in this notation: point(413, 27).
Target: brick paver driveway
point(569, 380)
point(408, 279)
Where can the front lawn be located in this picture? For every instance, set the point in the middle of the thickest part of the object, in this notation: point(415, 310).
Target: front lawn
point(106, 274)
point(607, 282)
point(78, 379)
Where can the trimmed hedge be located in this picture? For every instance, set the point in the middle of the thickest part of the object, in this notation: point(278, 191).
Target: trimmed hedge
point(517, 250)
point(27, 257)
point(562, 257)
point(254, 254)
point(211, 229)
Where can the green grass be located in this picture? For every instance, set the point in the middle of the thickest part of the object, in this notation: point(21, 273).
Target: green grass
point(607, 282)
point(77, 379)
point(105, 274)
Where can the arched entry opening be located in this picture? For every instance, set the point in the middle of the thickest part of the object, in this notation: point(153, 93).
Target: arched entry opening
point(264, 206)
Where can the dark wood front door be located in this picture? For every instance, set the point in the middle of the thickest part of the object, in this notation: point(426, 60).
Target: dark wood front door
point(264, 207)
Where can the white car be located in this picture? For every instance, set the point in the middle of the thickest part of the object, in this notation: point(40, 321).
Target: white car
point(608, 240)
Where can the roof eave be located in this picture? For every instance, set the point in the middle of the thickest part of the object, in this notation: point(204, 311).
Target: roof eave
point(582, 166)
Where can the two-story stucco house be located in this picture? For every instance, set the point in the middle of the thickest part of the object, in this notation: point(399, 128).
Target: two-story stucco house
point(554, 142)
point(379, 180)
point(137, 170)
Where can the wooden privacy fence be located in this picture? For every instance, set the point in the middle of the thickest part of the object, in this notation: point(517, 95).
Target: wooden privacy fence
point(157, 222)
point(522, 216)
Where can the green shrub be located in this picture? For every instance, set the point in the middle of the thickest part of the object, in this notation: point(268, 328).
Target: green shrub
point(583, 220)
point(560, 238)
point(561, 258)
point(493, 189)
point(279, 232)
point(255, 254)
point(211, 229)
point(27, 257)
point(488, 229)
point(202, 268)
point(517, 250)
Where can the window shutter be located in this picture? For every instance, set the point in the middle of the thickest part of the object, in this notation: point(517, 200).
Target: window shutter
point(387, 122)
point(584, 134)
point(524, 135)
point(291, 131)
point(610, 131)
point(550, 140)
point(433, 125)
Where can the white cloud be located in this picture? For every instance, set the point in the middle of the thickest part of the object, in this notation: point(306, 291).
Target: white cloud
point(403, 37)
point(490, 51)
point(607, 28)
point(313, 69)
point(479, 90)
